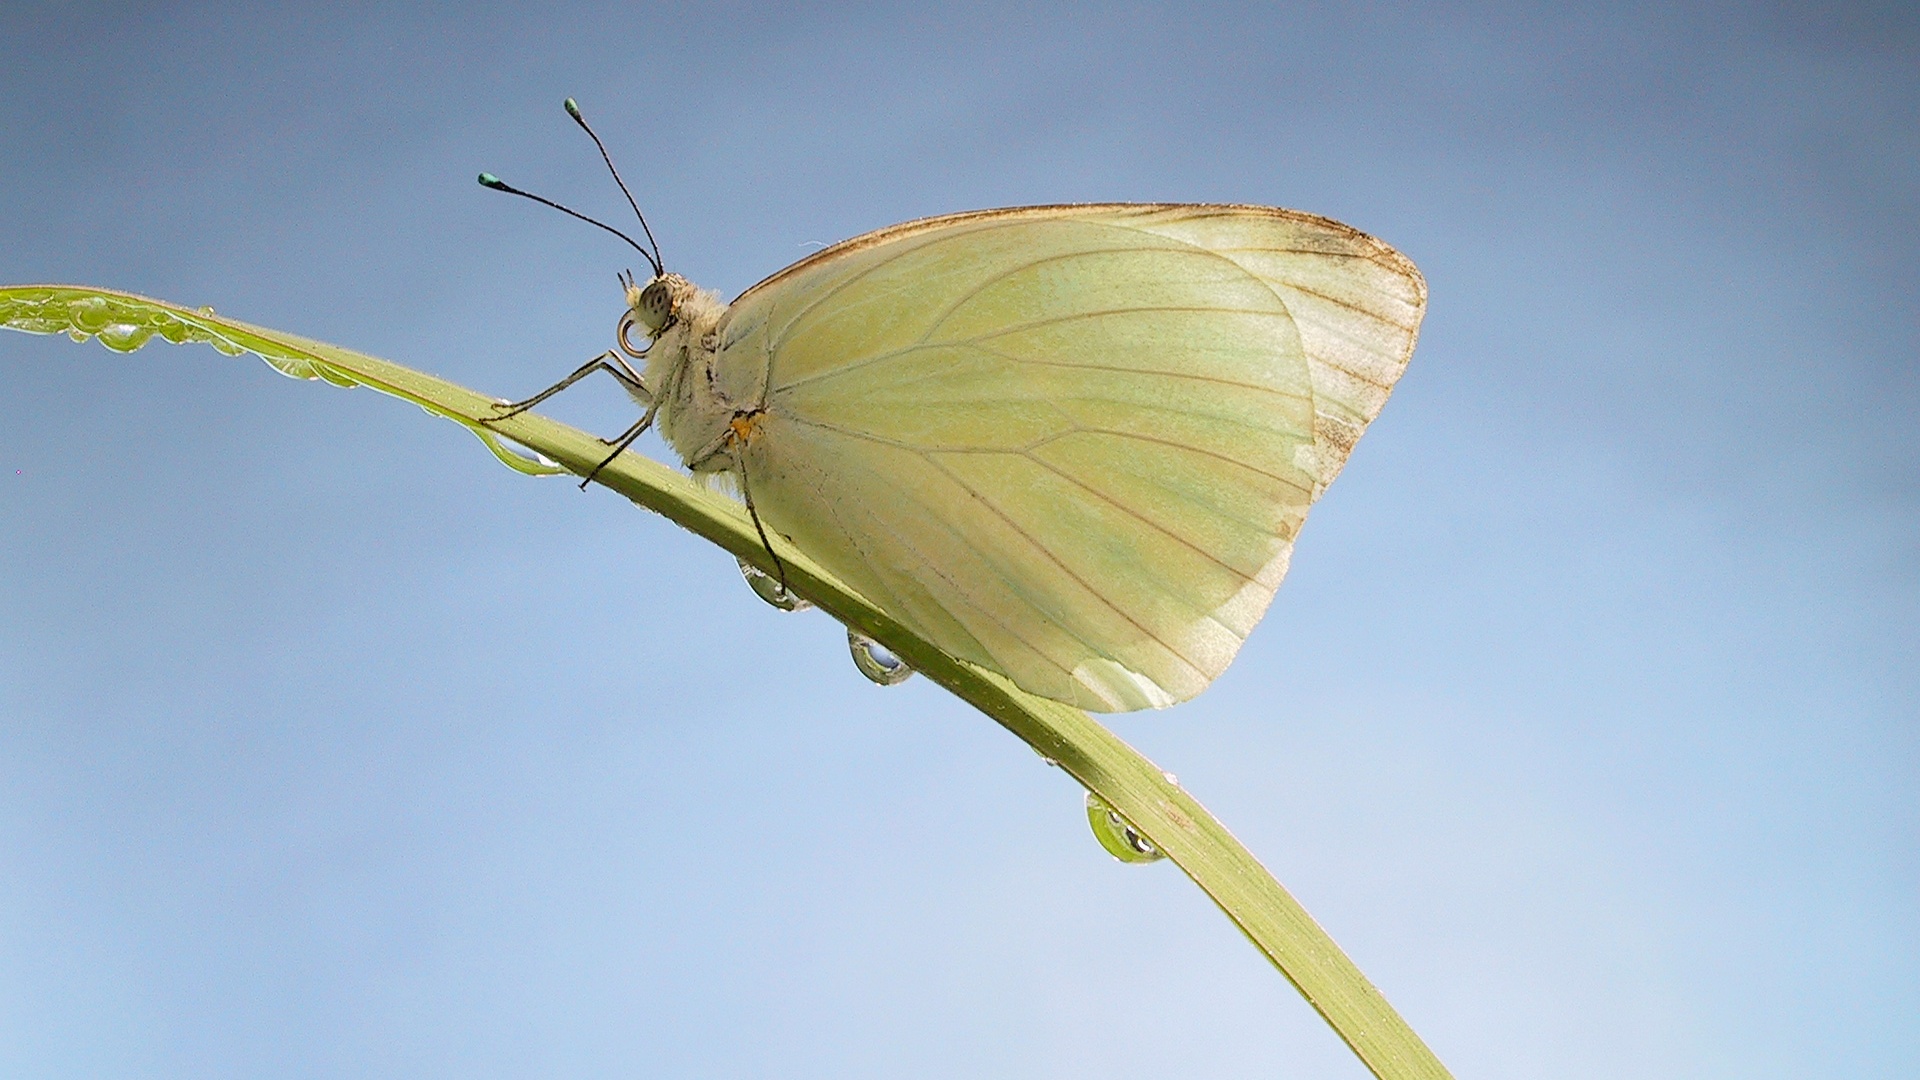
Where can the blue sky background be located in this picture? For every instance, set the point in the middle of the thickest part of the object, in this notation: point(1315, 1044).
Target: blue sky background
point(1586, 721)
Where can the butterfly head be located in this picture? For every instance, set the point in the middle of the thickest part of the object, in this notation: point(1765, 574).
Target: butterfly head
point(653, 307)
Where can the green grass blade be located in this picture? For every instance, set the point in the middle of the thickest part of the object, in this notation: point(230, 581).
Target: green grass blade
point(1134, 787)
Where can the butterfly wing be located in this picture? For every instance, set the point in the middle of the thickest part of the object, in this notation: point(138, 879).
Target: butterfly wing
point(1071, 444)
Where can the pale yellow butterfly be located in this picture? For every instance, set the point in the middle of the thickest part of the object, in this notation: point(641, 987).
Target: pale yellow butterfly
point(1070, 444)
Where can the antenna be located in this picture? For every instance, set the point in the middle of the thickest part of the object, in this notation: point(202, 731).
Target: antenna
point(488, 180)
point(573, 110)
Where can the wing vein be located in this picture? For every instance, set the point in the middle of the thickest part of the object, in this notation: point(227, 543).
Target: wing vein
point(1048, 553)
point(917, 448)
point(1190, 376)
point(1141, 518)
point(776, 340)
point(955, 588)
point(1355, 308)
point(1262, 249)
point(1104, 312)
point(983, 286)
point(976, 342)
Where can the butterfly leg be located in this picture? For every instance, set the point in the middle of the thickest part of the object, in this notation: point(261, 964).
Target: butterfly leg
point(780, 568)
point(610, 362)
point(736, 434)
point(620, 444)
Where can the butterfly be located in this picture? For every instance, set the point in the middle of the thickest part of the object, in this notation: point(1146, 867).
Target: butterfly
point(1069, 444)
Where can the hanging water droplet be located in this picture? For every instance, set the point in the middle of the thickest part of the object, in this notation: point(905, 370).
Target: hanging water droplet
point(123, 337)
point(768, 588)
point(875, 662)
point(1121, 840)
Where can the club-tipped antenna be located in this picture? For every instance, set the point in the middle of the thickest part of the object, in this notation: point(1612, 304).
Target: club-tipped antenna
point(488, 180)
point(573, 110)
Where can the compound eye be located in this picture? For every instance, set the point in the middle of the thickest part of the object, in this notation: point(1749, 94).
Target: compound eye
point(654, 307)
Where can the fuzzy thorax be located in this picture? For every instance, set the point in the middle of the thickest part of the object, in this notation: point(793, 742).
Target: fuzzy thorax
point(694, 414)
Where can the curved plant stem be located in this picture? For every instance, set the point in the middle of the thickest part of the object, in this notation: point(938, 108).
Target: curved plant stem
point(1148, 798)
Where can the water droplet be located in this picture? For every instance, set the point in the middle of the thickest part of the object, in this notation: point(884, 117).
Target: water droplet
point(875, 662)
point(1170, 778)
point(88, 314)
point(173, 329)
point(207, 310)
point(768, 588)
point(1121, 839)
point(123, 337)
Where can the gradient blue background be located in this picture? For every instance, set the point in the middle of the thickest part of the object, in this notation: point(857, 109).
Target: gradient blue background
point(1586, 721)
